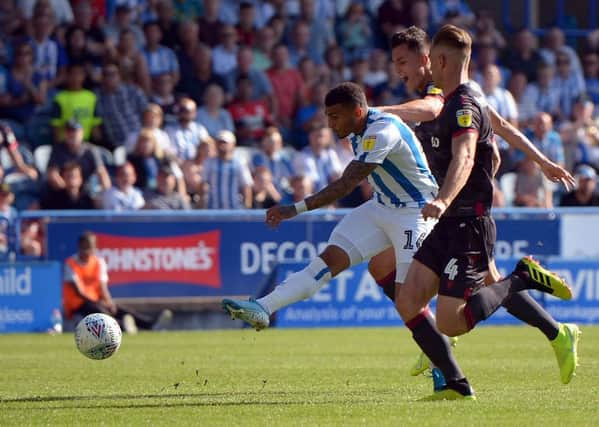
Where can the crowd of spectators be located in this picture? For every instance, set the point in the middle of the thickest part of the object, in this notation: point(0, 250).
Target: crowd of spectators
point(218, 104)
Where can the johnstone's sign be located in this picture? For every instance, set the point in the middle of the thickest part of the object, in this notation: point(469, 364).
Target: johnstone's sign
point(191, 259)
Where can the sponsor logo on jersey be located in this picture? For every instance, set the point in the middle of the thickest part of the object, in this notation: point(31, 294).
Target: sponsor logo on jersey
point(191, 259)
point(464, 118)
point(369, 142)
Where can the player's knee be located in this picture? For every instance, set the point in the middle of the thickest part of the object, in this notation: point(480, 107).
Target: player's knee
point(450, 330)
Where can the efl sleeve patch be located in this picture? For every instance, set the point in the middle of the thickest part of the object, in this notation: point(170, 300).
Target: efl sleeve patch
point(369, 142)
point(433, 90)
point(464, 118)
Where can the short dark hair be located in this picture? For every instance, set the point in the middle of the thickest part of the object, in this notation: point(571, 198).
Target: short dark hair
point(453, 37)
point(346, 93)
point(87, 237)
point(413, 37)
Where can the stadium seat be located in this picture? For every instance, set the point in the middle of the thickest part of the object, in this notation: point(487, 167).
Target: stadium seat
point(41, 156)
point(6, 160)
point(119, 155)
point(244, 154)
point(507, 184)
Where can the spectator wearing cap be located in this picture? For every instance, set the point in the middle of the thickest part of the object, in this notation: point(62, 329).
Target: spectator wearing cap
point(123, 20)
point(74, 149)
point(123, 196)
point(75, 102)
point(585, 193)
point(187, 134)
point(229, 179)
point(73, 195)
point(120, 106)
point(160, 59)
point(166, 196)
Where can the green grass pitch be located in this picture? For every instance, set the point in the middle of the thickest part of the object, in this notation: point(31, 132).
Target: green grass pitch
point(291, 377)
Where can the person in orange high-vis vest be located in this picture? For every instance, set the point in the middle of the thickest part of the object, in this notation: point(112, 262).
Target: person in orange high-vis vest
point(85, 290)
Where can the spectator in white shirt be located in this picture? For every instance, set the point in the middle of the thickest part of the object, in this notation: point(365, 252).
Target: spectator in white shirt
point(123, 196)
point(503, 102)
point(224, 54)
point(569, 83)
point(151, 119)
point(187, 134)
point(542, 95)
point(318, 160)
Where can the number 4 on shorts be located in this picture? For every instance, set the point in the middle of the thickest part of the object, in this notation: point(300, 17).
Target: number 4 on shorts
point(451, 269)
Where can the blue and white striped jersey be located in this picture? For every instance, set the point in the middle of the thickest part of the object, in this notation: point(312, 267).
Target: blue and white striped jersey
point(403, 177)
point(226, 179)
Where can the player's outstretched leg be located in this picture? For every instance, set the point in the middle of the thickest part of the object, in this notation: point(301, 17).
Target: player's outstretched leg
point(249, 311)
point(296, 287)
point(541, 279)
point(528, 274)
point(565, 346)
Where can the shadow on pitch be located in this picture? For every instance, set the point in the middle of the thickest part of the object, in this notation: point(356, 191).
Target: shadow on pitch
point(222, 399)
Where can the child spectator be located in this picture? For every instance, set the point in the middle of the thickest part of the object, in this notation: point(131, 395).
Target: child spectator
point(123, 196)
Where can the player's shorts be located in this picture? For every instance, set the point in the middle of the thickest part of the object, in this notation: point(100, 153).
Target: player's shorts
point(459, 250)
point(372, 227)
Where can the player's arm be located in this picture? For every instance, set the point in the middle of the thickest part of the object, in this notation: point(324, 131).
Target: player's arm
point(353, 174)
point(517, 140)
point(463, 149)
point(417, 110)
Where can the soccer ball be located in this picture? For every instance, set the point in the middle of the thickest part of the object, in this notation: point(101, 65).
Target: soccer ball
point(98, 336)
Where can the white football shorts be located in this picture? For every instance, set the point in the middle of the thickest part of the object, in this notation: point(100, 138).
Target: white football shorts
point(372, 227)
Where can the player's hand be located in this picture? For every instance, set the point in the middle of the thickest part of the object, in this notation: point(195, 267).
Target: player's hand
point(434, 209)
point(556, 173)
point(278, 213)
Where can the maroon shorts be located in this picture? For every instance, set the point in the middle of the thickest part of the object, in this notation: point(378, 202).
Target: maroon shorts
point(459, 250)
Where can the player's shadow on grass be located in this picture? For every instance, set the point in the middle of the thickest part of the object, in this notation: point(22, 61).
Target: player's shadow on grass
point(222, 399)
